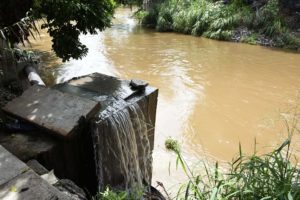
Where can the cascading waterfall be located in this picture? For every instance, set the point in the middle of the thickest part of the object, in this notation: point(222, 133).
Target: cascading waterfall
point(122, 149)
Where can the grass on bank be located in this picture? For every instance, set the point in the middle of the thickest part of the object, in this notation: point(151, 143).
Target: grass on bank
point(110, 194)
point(216, 20)
point(270, 176)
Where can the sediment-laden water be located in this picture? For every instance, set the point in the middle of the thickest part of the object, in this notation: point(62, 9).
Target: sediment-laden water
point(213, 95)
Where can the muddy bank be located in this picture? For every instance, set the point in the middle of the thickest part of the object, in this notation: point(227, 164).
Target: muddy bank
point(245, 35)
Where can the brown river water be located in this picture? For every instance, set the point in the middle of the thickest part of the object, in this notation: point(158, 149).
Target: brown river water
point(213, 95)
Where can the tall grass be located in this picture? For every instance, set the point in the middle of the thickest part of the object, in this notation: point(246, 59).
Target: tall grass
point(270, 176)
point(214, 19)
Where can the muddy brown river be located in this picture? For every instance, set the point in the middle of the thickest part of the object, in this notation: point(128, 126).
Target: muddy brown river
point(213, 95)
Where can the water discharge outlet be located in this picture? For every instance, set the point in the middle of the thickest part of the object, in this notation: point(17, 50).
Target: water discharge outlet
point(103, 129)
point(122, 148)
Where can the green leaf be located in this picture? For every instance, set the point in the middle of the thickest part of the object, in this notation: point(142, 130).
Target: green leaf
point(290, 197)
point(214, 194)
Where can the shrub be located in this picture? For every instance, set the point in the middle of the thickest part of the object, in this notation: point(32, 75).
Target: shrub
point(251, 39)
point(110, 194)
point(214, 19)
point(165, 20)
point(140, 15)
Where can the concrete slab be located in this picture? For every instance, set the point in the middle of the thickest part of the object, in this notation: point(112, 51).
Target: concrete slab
point(104, 85)
point(27, 145)
point(106, 90)
point(19, 182)
point(37, 167)
point(28, 186)
point(10, 166)
point(51, 109)
point(70, 189)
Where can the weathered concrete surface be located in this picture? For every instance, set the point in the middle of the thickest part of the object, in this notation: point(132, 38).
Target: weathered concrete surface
point(51, 109)
point(10, 166)
point(50, 177)
point(66, 186)
point(103, 85)
point(29, 186)
point(37, 167)
point(102, 88)
point(27, 145)
point(70, 189)
point(19, 182)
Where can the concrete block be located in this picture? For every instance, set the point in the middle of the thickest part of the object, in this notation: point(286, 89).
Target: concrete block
point(10, 166)
point(29, 186)
point(51, 109)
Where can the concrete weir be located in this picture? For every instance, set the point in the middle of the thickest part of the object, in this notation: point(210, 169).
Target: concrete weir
point(91, 142)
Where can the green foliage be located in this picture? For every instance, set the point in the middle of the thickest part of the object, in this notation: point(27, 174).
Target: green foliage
point(130, 2)
point(251, 39)
point(25, 56)
point(290, 41)
point(268, 20)
point(197, 17)
point(270, 176)
point(172, 145)
point(150, 20)
point(140, 15)
point(218, 34)
point(214, 19)
point(287, 40)
point(18, 31)
point(109, 194)
point(165, 20)
point(65, 20)
point(271, 10)
point(184, 21)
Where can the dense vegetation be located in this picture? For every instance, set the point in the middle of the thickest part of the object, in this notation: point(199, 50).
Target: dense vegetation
point(236, 20)
point(65, 20)
point(270, 176)
point(130, 2)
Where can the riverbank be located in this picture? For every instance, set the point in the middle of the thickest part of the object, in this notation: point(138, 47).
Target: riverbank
point(265, 23)
point(270, 176)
